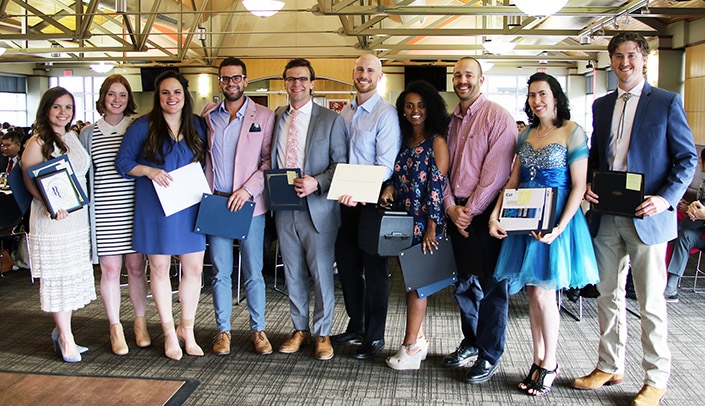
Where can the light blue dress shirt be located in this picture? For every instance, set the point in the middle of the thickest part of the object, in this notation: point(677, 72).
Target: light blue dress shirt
point(225, 136)
point(373, 133)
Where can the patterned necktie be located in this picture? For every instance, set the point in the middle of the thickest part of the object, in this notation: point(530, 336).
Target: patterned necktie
point(292, 140)
point(620, 127)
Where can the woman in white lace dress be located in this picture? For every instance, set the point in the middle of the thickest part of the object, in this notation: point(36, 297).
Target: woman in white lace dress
point(59, 248)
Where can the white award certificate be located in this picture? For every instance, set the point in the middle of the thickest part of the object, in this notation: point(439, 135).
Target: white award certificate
point(186, 189)
point(525, 210)
point(362, 182)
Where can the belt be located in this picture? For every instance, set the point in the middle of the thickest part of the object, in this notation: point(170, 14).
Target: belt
point(217, 193)
point(461, 201)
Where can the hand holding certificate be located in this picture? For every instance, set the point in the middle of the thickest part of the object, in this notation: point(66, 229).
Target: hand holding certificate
point(362, 182)
point(186, 189)
point(279, 187)
point(525, 210)
point(619, 193)
point(57, 183)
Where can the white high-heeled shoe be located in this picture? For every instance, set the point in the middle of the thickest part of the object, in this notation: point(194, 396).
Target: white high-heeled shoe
point(402, 360)
point(55, 339)
point(423, 344)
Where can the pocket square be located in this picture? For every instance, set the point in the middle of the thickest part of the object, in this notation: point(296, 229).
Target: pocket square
point(255, 128)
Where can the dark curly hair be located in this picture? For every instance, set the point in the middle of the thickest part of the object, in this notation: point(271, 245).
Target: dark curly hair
point(158, 144)
point(42, 127)
point(562, 107)
point(436, 111)
point(625, 36)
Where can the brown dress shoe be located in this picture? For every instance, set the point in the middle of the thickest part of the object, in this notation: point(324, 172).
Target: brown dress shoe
point(262, 345)
point(597, 378)
point(221, 343)
point(649, 396)
point(324, 350)
point(293, 344)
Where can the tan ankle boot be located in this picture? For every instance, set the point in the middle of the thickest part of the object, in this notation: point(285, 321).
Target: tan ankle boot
point(141, 334)
point(171, 342)
point(117, 339)
point(184, 332)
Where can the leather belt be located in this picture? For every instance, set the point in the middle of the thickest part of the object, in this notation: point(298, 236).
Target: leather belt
point(461, 201)
point(218, 193)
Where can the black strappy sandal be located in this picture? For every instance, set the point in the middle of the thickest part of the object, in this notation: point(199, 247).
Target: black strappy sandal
point(529, 381)
point(544, 382)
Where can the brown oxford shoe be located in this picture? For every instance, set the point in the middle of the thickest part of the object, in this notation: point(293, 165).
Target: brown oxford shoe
point(221, 343)
point(597, 378)
point(324, 350)
point(262, 345)
point(649, 396)
point(294, 343)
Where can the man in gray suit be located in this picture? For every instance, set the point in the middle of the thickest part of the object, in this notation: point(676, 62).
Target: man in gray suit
point(311, 138)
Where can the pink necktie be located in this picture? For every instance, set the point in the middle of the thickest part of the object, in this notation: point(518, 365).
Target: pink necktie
point(292, 141)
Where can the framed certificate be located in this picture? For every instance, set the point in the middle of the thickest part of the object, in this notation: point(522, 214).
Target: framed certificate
point(619, 192)
point(58, 192)
point(529, 209)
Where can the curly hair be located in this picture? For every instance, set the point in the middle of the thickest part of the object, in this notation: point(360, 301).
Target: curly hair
point(562, 107)
point(42, 126)
point(131, 107)
point(625, 36)
point(437, 118)
point(158, 144)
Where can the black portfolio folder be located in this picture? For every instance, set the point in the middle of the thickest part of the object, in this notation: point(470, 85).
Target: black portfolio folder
point(279, 186)
point(619, 192)
point(428, 273)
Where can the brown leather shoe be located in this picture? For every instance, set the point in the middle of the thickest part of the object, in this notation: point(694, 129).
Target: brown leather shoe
point(293, 344)
point(221, 343)
point(117, 339)
point(649, 396)
point(141, 334)
point(597, 378)
point(262, 345)
point(324, 350)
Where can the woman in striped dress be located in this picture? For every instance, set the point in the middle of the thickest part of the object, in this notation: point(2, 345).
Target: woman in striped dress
point(112, 211)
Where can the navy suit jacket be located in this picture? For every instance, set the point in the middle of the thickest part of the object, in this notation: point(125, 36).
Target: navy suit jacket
point(325, 148)
point(661, 147)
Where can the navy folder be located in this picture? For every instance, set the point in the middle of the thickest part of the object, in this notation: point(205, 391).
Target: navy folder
point(279, 186)
point(215, 218)
point(428, 273)
point(19, 190)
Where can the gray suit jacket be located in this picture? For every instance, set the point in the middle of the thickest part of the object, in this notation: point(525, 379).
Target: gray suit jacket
point(325, 148)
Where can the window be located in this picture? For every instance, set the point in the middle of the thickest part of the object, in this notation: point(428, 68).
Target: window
point(85, 90)
point(13, 93)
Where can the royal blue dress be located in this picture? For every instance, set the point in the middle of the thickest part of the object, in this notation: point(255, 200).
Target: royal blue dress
point(570, 260)
point(418, 186)
point(155, 233)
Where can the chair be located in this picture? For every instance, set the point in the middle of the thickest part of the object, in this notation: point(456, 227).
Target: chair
point(579, 315)
point(699, 273)
point(11, 224)
point(277, 265)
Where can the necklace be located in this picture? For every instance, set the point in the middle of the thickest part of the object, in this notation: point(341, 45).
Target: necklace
point(538, 133)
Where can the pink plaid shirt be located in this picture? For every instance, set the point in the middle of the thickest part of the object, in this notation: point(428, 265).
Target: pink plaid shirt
point(482, 145)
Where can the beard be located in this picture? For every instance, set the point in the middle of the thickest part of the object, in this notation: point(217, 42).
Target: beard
point(233, 96)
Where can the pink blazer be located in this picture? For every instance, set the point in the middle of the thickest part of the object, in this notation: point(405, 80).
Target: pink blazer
point(253, 152)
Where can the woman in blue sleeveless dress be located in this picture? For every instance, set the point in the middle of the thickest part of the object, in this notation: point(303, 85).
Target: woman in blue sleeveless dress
point(552, 152)
point(417, 188)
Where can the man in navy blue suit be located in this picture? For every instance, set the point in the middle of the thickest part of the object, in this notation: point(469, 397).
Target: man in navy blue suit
point(643, 129)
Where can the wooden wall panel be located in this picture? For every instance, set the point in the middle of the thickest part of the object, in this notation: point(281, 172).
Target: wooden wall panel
point(694, 99)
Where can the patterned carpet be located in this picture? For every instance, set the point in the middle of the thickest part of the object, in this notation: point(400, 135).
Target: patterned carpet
point(245, 378)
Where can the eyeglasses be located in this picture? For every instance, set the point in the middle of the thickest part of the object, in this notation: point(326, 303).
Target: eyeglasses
point(291, 80)
point(235, 79)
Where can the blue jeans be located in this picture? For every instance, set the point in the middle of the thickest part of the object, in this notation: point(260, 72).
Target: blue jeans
point(251, 250)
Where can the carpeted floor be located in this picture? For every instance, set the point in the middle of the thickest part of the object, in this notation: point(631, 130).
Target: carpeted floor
point(245, 378)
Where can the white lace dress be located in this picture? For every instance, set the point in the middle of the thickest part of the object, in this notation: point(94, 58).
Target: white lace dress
point(60, 249)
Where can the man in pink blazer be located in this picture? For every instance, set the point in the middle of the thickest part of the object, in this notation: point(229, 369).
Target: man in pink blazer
point(239, 151)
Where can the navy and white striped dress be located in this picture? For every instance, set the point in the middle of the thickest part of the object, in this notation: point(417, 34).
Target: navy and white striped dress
point(113, 195)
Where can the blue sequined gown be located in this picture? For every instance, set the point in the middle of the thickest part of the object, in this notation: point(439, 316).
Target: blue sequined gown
point(570, 260)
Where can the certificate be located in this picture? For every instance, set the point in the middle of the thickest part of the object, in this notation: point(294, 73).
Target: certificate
point(58, 192)
point(186, 189)
point(619, 193)
point(362, 182)
point(530, 209)
point(279, 187)
point(54, 165)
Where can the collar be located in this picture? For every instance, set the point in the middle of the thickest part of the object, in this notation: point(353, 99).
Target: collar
point(305, 109)
point(636, 90)
point(240, 113)
point(369, 104)
point(472, 109)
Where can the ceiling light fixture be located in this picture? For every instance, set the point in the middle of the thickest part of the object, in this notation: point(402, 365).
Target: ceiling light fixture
point(201, 34)
point(585, 39)
point(589, 65)
point(55, 54)
point(498, 46)
point(101, 67)
point(543, 8)
point(263, 8)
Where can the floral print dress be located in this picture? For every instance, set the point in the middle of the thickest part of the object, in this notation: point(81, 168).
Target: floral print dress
point(418, 186)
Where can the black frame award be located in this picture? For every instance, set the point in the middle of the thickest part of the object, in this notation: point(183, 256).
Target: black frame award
point(58, 192)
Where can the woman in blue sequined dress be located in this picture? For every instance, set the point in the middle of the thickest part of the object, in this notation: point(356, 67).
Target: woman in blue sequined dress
point(552, 152)
point(417, 188)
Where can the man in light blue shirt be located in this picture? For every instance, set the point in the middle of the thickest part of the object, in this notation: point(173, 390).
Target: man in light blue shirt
point(374, 138)
point(239, 150)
